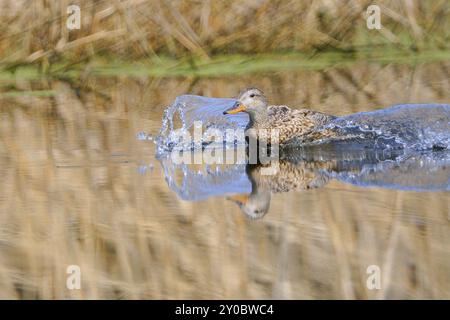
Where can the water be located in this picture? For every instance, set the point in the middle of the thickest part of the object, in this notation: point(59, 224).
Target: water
point(83, 184)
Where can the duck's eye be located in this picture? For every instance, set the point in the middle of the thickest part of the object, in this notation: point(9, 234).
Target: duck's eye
point(252, 95)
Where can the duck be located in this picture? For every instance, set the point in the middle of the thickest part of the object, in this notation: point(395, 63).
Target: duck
point(299, 125)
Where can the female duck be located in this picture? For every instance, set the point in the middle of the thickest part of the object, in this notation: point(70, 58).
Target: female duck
point(291, 124)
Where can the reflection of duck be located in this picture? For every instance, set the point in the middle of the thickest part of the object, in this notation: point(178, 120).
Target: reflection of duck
point(289, 177)
point(291, 123)
point(308, 168)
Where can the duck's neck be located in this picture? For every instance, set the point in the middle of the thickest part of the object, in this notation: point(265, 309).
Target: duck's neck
point(258, 119)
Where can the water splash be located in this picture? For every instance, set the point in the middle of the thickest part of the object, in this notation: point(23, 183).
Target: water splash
point(144, 136)
point(409, 126)
point(191, 109)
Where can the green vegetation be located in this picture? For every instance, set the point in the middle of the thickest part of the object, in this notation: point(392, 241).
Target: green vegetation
point(221, 65)
point(34, 93)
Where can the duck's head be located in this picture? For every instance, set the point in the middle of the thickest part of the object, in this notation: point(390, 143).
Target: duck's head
point(254, 206)
point(251, 101)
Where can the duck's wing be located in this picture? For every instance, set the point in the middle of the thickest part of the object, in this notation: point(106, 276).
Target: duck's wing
point(297, 124)
point(320, 119)
point(285, 114)
point(291, 122)
point(279, 112)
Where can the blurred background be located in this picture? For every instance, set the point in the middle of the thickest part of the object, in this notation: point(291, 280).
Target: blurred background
point(78, 187)
point(170, 33)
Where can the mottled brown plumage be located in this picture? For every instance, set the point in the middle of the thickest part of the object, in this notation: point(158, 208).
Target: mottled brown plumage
point(266, 122)
point(290, 176)
point(286, 177)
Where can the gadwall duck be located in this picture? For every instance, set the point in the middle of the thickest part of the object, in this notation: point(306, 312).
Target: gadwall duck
point(301, 125)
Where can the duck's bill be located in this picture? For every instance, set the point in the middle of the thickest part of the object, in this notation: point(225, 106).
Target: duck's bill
point(235, 109)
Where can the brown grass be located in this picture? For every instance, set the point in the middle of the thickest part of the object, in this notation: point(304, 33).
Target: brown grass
point(35, 31)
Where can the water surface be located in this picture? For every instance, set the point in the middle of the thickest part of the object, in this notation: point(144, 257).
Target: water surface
point(80, 186)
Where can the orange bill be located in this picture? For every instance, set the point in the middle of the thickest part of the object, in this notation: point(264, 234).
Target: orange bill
point(236, 109)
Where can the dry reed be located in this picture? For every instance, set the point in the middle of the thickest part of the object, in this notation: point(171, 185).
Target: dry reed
point(34, 31)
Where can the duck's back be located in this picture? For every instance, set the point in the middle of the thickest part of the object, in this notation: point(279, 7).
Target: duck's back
point(295, 122)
